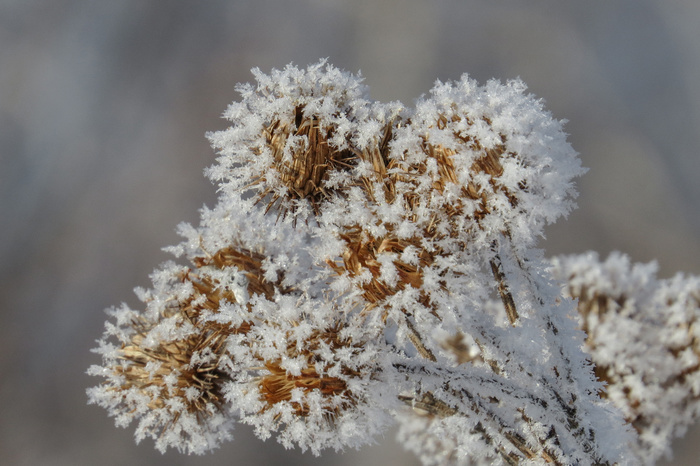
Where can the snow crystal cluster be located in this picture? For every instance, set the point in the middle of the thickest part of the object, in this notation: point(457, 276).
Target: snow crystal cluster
point(644, 339)
point(368, 264)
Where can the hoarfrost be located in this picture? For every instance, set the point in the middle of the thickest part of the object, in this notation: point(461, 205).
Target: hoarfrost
point(369, 264)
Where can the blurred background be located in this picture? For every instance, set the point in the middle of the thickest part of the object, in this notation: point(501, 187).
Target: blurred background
point(103, 110)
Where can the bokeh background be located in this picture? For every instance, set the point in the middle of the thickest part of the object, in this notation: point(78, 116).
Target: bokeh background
point(103, 110)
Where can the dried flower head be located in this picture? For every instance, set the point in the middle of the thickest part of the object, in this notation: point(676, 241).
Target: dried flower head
point(315, 380)
point(166, 371)
point(490, 157)
point(298, 136)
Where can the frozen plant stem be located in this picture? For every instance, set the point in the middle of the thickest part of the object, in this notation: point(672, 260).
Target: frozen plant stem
point(415, 338)
point(503, 291)
point(369, 264)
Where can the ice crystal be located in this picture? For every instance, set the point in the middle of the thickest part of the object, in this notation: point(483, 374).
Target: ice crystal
point(369, 264)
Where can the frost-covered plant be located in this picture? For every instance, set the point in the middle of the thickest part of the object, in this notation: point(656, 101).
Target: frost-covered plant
point(369, 264)
point(644, 340)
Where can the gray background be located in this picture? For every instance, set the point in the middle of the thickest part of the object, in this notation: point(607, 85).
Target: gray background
point(103, 109)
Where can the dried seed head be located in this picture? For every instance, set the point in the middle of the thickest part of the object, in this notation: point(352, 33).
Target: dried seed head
point(277, 386)
point(277, 383)
point(192, 361)
point(465, 164)
point(303, 157)
point(313, 386)
point(361, 255)
point(298, 137)
point(172, 361)
point(247, 262)
point(486, 160)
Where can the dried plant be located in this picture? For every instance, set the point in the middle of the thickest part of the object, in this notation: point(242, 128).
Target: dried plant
point(369, 264)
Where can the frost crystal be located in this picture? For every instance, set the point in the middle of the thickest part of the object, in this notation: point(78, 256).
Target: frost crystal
point(369, 264)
